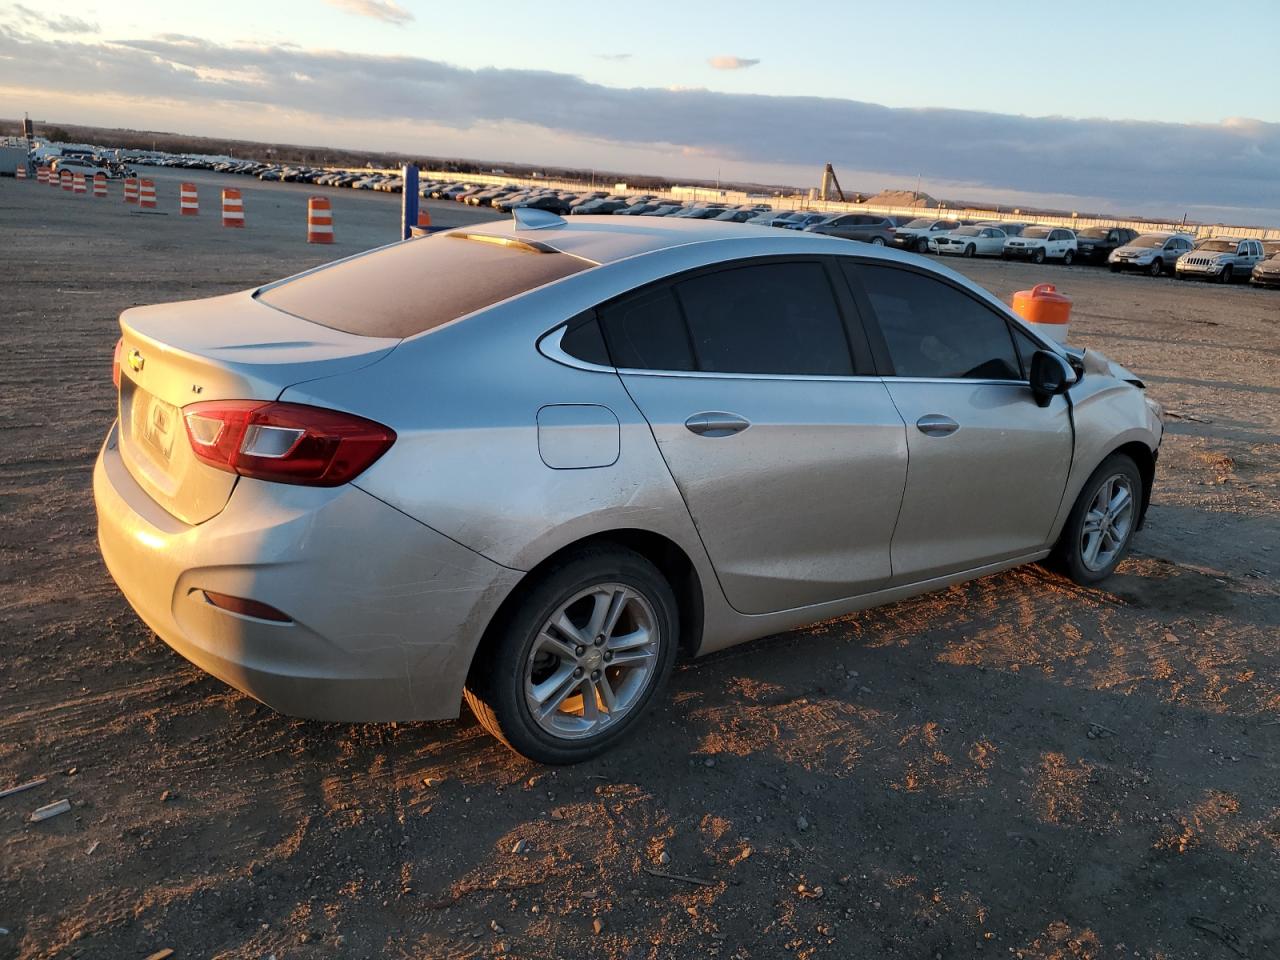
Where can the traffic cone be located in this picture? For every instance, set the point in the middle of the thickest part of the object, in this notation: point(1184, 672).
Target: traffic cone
point(131, 190)
point(78, 184)
point(188, 200)
point(21, 171)
point(424, 218)
point(319, 220)
point(42, 174)
point(232, 208)
point(66, 180)
point(146, 193)
point(99, 184)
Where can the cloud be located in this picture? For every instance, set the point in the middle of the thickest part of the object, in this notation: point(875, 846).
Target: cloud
point(386, 10)
point(55, 24)
point(725, 62)
point(1128, 166)
point(614, 57)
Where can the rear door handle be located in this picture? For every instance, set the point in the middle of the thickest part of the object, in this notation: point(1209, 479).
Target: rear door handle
point(936, 425)
point(716, 424)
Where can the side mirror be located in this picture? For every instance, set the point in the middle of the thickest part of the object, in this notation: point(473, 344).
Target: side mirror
point(1050, 376)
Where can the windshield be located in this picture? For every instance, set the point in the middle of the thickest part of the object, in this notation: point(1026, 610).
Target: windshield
point(1218, 246)
point(1036, 233)
point(1149, 240)
point(919, 222)
point(1093, 233)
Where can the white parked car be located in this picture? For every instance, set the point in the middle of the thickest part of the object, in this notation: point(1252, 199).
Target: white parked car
point(974, 241)
point(1039, 244)
point(80, 165)
point(1153, 253)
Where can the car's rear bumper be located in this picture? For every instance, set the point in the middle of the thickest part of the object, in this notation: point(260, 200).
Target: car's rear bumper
point(386, 612)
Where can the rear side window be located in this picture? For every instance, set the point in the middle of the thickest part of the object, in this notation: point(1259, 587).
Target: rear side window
point(645, 331)
point(409, 288)
point(778, 318)
point(933, 330)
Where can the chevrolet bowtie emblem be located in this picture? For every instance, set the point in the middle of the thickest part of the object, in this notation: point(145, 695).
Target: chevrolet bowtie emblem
point(136, 361)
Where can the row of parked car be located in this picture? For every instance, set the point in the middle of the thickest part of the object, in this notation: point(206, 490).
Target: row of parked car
point(1224, 259)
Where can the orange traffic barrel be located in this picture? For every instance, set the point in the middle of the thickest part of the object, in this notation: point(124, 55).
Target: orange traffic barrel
point(232, 208)
point(319, 220)
point(1044, 308)
point(67, 180)
point(42, 174)
point(188, 200)
point(131, 190)
point(78, 184)
point(146, 193)
point(424, 218)
point(21, 171)
point(99, 184)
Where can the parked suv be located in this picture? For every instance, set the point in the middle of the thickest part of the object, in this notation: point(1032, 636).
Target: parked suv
point(916, 234)
point(1039, 244)
point(1094, 244)
point(1266, 273)
point(1221, 258)
point(867, 227)
point(1153, 253)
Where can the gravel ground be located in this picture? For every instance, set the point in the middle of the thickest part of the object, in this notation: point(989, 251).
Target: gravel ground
point(1014, 767)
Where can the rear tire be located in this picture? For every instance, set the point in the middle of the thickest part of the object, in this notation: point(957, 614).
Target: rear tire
point(877, 241)
point(1099, 530)
point(970, 250)
point(1068, 257)
point(514, 678)
point(1156, 268)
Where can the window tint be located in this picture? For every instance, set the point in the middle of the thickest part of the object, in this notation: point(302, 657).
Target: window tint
point(778, 318)
point(934, 330)
point(646, 332)
point(582, 339)
point(407, 288)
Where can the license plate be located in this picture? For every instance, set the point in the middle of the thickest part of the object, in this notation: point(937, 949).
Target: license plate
point(156, 423)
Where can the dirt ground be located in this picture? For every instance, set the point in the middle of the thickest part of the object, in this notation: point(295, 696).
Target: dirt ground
point(1015, 767)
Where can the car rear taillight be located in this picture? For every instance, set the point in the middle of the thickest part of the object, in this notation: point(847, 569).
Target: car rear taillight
point(115, 362)
point(285, 442)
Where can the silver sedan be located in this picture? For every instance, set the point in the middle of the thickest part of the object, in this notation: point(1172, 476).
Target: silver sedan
point(529, 462)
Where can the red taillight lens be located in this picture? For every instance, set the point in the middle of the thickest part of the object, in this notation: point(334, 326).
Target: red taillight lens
point(285, 442)
point(115, 362)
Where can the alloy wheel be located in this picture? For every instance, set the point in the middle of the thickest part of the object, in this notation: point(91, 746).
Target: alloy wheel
point(1108, 522)
point(592, 661)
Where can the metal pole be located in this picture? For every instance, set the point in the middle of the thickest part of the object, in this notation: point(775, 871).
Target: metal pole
point(409, 205)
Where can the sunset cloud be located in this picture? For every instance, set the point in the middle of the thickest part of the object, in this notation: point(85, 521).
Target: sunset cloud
point(725, 62)
point(387, 11)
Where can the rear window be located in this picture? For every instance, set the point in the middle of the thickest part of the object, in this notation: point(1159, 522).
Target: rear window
point(413, 287)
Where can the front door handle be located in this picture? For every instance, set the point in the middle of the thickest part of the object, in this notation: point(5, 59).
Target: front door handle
point(716, 424)
point(936, 425)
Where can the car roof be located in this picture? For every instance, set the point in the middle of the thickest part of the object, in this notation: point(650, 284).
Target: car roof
point(607, 239)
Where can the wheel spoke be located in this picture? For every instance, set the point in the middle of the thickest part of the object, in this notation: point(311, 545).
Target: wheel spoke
point(590, 702)
point(1091, 545)
point(555, 690)
point(605, 689)
point(629, 641)
point(1121, 499)
point(569, 629)
point(1093, 521)
point(554, 645)
point(632, 657)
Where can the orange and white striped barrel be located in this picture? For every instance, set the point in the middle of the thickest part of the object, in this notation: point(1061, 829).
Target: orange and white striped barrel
point(319, 220)
point(66, 180)
point(131, 190)
point(146, 193)
point(55, 178)
point(232, 208)
point(99, 184)
point(20, 171)
point(42, 174)
point(424, 218)
point(188, 200)
point(78, 184)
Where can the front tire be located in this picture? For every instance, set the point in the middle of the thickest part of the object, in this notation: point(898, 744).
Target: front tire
point(1100, 527)
point(1156, 268)
point(877, 241)
point(922, 245)
point(1225, 277)
point(1038, 257)
point(577, 660)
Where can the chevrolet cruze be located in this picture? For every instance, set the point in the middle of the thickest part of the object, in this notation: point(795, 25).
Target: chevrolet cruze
point(528, 463)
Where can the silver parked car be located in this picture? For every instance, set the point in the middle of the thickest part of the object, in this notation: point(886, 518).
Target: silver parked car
point(1152, 253)
point(1223, 259)
point(533, 460)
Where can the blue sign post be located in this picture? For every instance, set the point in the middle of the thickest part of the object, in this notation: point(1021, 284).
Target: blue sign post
point(409, 206)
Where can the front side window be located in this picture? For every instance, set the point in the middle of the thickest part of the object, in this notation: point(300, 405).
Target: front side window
point(934, 330)
point(777, 318)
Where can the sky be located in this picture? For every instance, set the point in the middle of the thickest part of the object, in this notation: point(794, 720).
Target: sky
point(1092, 106)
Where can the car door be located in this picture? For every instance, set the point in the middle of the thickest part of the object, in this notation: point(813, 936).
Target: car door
point(758, 385)
point(991, 241)
point(987, 465)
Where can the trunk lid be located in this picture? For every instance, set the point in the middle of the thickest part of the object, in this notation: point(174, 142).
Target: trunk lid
point(224, 348)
